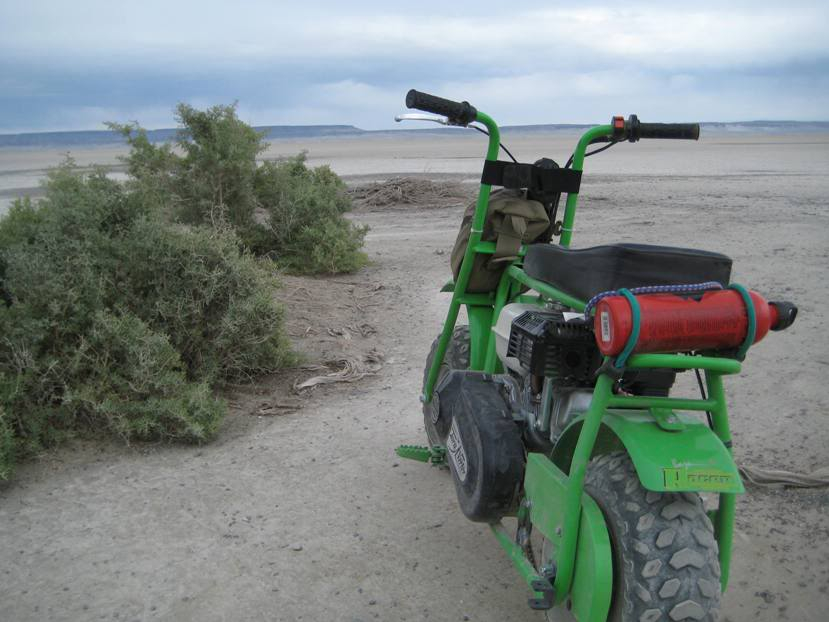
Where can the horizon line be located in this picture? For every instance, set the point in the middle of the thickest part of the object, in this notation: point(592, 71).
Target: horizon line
point(397, 129)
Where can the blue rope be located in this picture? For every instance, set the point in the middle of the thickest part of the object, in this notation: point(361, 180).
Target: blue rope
point(653, 289)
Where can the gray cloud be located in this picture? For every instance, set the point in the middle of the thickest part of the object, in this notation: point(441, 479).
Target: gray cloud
point(61, 64)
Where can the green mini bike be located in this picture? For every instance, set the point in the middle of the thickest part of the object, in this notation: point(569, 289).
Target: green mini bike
point(552, 407)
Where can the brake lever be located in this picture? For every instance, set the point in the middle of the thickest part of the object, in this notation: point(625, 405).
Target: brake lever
point(421, 117)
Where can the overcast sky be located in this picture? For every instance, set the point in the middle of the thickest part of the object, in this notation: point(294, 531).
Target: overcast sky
point(73, 65)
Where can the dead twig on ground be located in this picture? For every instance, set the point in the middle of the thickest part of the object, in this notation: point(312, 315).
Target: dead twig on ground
point(409, 191)
point(345, 370)
point(268, 409)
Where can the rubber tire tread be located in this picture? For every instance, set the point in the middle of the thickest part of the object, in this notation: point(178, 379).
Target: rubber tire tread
point(457, 357)
point(663, 542)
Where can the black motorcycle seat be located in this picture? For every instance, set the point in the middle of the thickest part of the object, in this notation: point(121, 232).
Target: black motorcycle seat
point(585, 272)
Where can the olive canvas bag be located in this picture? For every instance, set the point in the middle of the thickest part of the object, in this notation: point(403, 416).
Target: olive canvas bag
point(511, 220)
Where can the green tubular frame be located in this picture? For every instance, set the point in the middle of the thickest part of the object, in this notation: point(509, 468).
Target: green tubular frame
point(483, 306)
point(483, 311)
point(478, 326)
point(724, 517)
point(600, 131)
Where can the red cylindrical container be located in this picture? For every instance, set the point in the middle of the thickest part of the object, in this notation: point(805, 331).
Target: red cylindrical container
point(670, 323)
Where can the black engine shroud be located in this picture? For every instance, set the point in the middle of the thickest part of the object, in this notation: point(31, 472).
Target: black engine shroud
point(550, 345)
point(562, 347)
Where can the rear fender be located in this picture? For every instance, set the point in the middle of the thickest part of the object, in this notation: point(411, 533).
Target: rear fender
point(545, 487)
point(688, 457)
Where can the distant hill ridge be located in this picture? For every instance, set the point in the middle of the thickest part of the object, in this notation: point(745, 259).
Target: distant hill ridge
point(272, 132)
point(107, 137)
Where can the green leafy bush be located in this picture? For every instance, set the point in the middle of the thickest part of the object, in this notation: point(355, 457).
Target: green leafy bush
point(276, 209)
point(214, 302)
point(121, 322)
point(306, 231)
point(133, 383)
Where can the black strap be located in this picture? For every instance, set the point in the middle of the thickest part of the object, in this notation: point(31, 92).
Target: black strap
point(541, 180)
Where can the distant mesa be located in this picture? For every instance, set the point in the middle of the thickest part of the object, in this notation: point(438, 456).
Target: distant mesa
point(106, 137)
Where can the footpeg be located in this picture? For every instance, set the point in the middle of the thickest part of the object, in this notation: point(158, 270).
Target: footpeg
point(435, 455)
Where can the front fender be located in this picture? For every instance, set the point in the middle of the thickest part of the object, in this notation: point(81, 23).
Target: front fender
point(689, 458)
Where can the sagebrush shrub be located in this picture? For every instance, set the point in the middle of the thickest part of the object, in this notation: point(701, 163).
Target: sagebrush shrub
point(134, 383)
point(275, 209)
point(121, 322)
point(123, 306)
point(214, 302)
point(306, 230)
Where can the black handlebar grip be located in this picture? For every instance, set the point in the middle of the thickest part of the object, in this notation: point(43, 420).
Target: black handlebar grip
point(685, 131)
point(461, 113)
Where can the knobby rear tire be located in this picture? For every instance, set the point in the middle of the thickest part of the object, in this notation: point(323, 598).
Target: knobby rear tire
point(665, 557)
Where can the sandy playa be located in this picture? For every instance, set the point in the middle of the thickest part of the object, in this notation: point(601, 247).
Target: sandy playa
point(310, 515)
point(379, 156)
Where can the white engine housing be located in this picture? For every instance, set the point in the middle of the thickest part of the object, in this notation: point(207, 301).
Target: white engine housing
point(502, 330)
